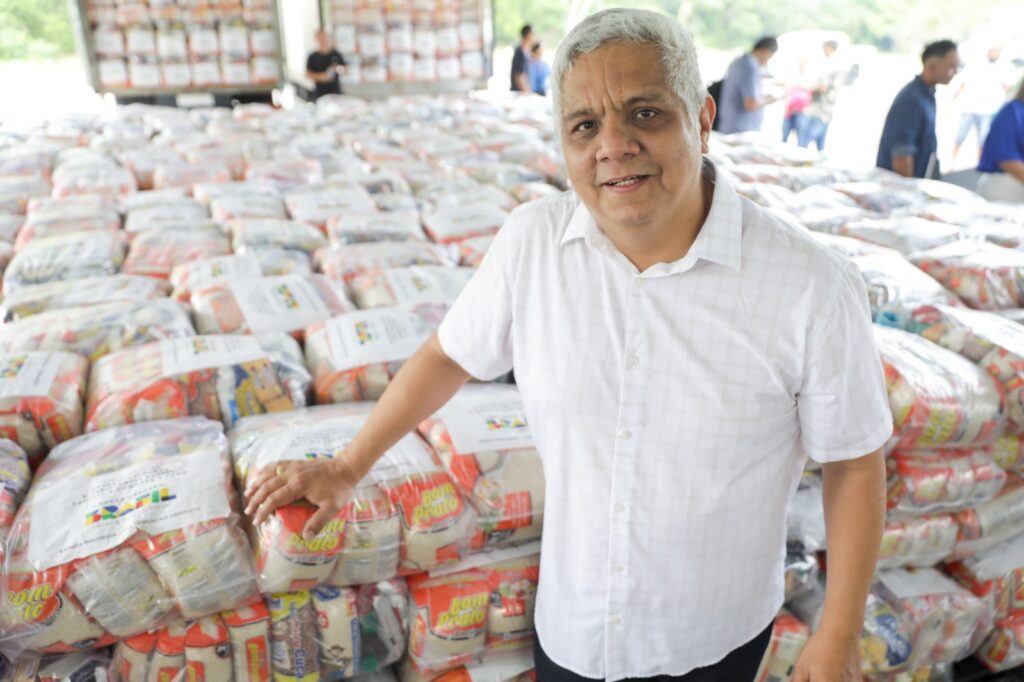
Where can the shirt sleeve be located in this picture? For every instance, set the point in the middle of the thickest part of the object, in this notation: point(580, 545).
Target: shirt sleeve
point(341, 58)
point(1005, 142)
point(905, 121)
point(843, 405)
point(477, 331)
point(518, 62)
point(749, 82)
point(310, 66)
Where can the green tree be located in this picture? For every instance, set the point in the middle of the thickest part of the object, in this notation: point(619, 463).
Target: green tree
point(35, 29)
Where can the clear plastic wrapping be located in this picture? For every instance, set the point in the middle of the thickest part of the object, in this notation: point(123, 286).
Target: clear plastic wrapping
point(802, 571)
point(167, 176)
point(988, 523)
point(938, 399)
point(220, 377)
point(481, 437)
point(249, 233)
point(176, 214)
point(446, 225)
point(993, 343)
point(288, 303)
point(354, 356)
point(56, 218)
point(237, 206)
point(943, 480)
point(285, 173)
point(904, 234)
point(41, 395)
point(983, 275)
point(94, 331)
point(104, 179)
point(995, 575)
point(917, 541)
point(156, 253)
point(1003, 649)
point(40, 298)
point(407, 286)
point(14, 481)
point(473, 250)
point(354, 228)
point(894, 284)
point(347, 261)
point(143, 162)
point(123, 531)
point(69, 256)
point(319, 204)
point(405, 516)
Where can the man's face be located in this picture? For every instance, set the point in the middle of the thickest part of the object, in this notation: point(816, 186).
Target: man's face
point(322, 41)
point(944, 68)
point(528, 38)
point(632, 152)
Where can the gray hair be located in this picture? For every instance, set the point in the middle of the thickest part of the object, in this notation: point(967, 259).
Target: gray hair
point(678, 53)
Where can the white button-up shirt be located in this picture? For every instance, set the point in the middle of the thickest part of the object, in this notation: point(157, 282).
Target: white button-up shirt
point(672, 409)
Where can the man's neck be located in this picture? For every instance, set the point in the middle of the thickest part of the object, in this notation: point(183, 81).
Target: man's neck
point(647, 246)
point(926, 80)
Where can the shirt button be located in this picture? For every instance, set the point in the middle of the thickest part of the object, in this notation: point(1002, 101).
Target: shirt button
point(619, 508)
point(626, 435)
point(632, 361)
point(616, 568)
point(615, 620)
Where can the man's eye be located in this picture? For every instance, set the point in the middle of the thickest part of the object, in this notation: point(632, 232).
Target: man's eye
point(646, 114)
point(584, 126)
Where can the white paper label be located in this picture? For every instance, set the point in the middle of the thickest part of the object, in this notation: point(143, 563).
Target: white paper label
point(108, 42)
point(425, 43)
point(234, 40)
point(113, 72)
point(465, 219)
point(263, 41)
point(144, 75)
point(177, 75)
point(400, 39)
point(345, 39)
point(906, 584)
point(264, 70)
point(29, 374)
point(427, 285)
point(235, 73)
point(194, 353)
point(483, 418)
point(140, 41)
point(81, 516)
point(212, 270)
point(378, 335)
point(472, 65)
point(448, 40)
point(205, 73)
point(287, 303)
point(171, 44)
point(470, 35)
point(371, 45)
point(449, 69)
point(203, 41)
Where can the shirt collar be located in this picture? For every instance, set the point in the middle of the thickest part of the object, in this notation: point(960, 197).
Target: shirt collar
point(720, 239)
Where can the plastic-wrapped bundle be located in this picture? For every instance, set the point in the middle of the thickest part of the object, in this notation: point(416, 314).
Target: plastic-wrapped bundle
point(286, 173)
point(989, 523)
point(1003, 649)
point(996, 575)
point(41, 396)
point(232, 645)
point(345, 262)
point(337, 633)
point(318, 204)
point(473, 250)
point(505, 175)
point(383, 182)
point(123, 531)
point(946, 480)
point(446, 225)
point(405, 516)
point(234, 206)
point(143, 162)
point(849, 246)
point(10, 224)
point(881, 198)
point(220, 377)
point(947, 623)
point(96, 330)
point(14, 481)
point(905, 234)
point(177, 214)
point(16, 192)
point(187, 278)
point(985, 276)
point(991, 342)
point(261, 233)
point(353, 228)
point(445, 196)
point(62, 217)
point(167, 176)
point(482, 438)
point(938, 399)
point(289, 303)
point(99, 179)
point(802, 571)
point(130, 202)
point(805, 516)
point(70, 256)
point(40, 298)
point(1008, 452)
point(407, 286)
point(155, 253)
point(354, 356)
point(894, 284)
point(6, 255)
point(789, 635)
point(917, 541)
point(206, 192)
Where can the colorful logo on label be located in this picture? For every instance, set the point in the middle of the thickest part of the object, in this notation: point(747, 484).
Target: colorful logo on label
point(115, 511)
point(314, 455)
point(499, 423)
point(420, 283)
point(12, 366)
point(201, 345)
point(216, 269)
point(363, 333)
point(287, 297)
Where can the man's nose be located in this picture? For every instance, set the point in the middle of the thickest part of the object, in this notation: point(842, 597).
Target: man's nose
point(615, 141)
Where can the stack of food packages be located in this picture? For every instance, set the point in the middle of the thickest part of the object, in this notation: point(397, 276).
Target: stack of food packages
point(181, 287)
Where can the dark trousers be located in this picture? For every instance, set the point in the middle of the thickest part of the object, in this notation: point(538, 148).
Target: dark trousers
point(740, 665)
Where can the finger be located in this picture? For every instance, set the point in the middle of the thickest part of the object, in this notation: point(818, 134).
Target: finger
point(260, 494)
point(256, 479)
point(284, 495)
point(317, 521)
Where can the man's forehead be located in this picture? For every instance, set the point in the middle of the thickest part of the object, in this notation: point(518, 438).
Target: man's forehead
point(576, 107)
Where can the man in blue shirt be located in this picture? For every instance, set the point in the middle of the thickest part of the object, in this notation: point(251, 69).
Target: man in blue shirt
point(539, 70)
point(741, 104)
point(908, 145)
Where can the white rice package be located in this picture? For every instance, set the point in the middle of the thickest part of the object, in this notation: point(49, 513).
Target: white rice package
point(983, 275)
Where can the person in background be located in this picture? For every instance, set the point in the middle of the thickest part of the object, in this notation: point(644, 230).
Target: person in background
point(1002, 157)
point(981, 93)
point(520, 60)
point(908, 145)
point(539, 70)
point(797, 99)
point(654, 297)
point(324, 67)
point(742, 97)
point(818, 115)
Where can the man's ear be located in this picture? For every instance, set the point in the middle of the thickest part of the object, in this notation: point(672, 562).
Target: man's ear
point(707, 117)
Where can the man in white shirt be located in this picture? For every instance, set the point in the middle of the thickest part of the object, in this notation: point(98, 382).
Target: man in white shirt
point(678, 351)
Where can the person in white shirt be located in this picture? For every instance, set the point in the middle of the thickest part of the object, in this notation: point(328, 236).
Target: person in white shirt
point(679, 352)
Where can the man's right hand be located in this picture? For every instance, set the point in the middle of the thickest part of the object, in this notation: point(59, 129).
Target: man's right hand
point(326, 484)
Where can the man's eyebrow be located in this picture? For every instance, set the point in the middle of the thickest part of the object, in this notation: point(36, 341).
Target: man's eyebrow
point(652, 97)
